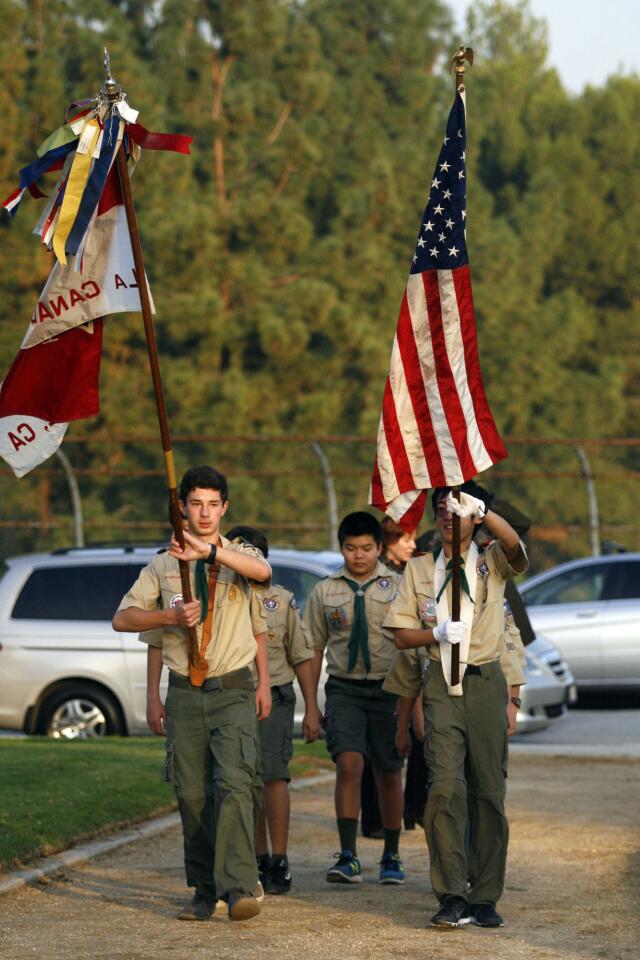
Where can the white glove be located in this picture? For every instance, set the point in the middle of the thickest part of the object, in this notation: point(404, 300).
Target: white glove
point(452, 631)
point(467, 506)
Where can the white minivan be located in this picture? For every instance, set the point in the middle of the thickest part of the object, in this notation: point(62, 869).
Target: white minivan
point(65, 672)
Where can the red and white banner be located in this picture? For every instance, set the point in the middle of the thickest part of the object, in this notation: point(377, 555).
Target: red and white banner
point(105, 283)
point(55, 377)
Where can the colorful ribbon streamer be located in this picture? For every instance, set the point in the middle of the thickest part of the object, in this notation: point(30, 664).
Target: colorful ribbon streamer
point(78, 176)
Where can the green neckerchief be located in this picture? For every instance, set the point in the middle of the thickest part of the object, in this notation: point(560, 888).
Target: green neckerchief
point(464, 583)
point(202, 589)
point(359, 637)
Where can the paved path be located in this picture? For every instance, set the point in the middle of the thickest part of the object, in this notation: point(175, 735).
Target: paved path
point(571, 889)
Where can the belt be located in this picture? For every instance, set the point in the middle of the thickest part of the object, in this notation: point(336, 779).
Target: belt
point(473, 669)
point(359, 683)
point(235, 680)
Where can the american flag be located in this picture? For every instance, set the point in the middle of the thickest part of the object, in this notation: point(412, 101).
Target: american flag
point(436, 428)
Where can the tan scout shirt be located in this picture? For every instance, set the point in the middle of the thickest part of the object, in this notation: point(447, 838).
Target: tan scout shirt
point(288, 643)
point(232, 643)
point(414, 607)
point(328, 618)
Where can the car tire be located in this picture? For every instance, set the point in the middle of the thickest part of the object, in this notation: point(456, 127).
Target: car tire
point(79, 711)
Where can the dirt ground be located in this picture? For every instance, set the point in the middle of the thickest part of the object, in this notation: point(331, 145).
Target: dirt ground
point(572, 889)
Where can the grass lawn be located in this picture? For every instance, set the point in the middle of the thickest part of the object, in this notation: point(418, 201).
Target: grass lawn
point(54, 793)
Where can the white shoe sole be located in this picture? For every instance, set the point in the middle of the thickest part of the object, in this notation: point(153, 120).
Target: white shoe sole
point(452, 926)
point(388, 881)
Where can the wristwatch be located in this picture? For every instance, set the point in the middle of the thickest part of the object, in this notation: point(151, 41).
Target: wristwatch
point(212, 554)
point(516, 701)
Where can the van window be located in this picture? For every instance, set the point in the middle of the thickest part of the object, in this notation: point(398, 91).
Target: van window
point(299, 582)
point(582, 585)
point(75, 593)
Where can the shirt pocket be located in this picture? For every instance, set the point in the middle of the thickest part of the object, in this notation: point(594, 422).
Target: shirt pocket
point(171, 589)
point(275, 633)
point(336, 617)
point(231, 596)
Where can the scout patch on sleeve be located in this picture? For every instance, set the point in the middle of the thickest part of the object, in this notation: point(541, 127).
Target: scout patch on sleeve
point(336, 618)
point(483, 569)
point(271, 603)
point(508, 614)
point(294, 603)
point(427, 610)
point(384, 583)
point(176, 600)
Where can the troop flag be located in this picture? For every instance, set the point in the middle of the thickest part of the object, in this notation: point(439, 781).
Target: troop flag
point(55, 376)
point(436, 428)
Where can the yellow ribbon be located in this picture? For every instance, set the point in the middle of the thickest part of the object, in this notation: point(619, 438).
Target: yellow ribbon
point(78, 176)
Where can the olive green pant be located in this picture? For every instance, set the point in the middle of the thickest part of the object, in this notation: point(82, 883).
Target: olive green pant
point(466, 754)
point(211, 760)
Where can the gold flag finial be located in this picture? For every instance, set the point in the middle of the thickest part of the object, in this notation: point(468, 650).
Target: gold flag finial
point(457, 62)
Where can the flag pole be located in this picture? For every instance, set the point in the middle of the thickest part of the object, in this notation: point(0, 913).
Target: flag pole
point(112, 92)
point(458, 65)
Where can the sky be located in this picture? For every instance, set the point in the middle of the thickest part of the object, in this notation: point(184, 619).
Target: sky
point(588, 39)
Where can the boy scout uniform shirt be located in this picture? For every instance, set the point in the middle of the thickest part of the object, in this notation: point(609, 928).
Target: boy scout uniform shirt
point(414, 606)
point(328, 617)
point(288, 643)
point(232, 644)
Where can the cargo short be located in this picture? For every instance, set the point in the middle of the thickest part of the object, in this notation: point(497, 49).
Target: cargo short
point(276, 735)
point(360, 718)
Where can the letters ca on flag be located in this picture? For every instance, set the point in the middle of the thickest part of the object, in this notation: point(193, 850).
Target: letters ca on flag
point(55, 377)
point(105, 284)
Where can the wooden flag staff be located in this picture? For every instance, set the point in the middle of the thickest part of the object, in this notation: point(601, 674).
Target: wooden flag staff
point(458, 65)
point(112, 93)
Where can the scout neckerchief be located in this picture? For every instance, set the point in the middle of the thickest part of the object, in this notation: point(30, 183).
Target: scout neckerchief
point(206, 594)
point(359, 637)
point(441, 577)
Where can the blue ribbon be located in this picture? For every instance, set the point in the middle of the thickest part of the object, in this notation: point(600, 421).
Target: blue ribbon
point(94, 186)
point(34, 171)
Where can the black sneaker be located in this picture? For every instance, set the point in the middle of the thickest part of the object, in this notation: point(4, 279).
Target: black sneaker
point(264, 865)
point(453, 912)
point(279, 876)
point(486, 915)
point(200, 907)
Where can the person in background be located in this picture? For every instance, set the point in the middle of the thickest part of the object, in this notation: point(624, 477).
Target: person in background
point(344, 616)
point(397, 547)
point(290, 654)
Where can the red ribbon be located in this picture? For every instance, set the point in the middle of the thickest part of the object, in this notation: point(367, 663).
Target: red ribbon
point(176, 142)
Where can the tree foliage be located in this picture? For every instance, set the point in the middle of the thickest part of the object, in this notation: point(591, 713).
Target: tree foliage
point(278, 252)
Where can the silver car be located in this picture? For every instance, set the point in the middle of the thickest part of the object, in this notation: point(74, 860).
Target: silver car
point(590, 610)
